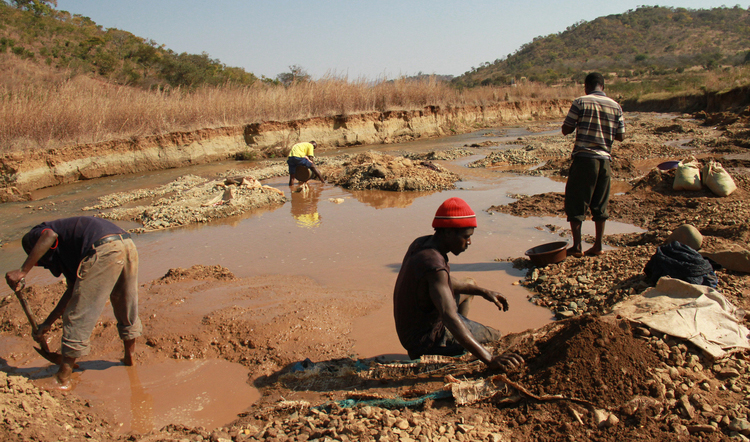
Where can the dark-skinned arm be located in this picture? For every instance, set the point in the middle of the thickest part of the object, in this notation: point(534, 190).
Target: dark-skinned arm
point(55, 314)
point(448, 309)
point(466, 288)
point(567, 129)
point(47, 239)
point(441, 294)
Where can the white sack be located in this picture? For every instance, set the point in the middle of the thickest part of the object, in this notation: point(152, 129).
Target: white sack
point(687, 176)
point(717, 179)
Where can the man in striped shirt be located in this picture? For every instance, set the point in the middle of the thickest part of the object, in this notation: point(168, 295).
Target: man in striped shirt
point(598, 122)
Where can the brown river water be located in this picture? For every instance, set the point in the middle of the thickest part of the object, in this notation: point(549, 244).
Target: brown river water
point(352, 245)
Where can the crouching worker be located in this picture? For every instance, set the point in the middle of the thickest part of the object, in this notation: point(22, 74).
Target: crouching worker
point(302, 154)
point(100, 263)
point(430, 307)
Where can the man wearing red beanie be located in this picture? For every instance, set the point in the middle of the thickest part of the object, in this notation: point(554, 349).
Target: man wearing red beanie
point(430, 308)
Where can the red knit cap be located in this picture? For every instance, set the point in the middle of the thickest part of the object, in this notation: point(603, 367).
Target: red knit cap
point(454, 213)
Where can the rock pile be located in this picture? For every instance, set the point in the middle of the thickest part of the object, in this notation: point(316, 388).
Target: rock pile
point(191, 200)
point(372, 170)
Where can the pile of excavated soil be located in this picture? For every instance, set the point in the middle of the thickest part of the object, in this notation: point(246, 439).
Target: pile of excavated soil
point(189, 200)
point(443, 155)
point(372, 170)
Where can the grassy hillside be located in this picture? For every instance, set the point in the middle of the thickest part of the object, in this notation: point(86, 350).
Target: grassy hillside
point(644, 43)
point(77, 45)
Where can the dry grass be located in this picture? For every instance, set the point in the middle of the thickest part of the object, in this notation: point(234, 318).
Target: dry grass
point(49, 109)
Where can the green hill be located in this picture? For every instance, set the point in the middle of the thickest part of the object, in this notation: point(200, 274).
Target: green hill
point(643, 42)
point(34, 31)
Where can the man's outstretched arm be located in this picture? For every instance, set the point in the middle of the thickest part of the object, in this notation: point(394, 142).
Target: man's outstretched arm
point(469, 288)
point(441, 294)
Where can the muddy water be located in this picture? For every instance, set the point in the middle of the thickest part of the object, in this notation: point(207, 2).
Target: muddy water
point(356, 244)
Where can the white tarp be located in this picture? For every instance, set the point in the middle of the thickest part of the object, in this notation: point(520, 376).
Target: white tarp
point(696, 313)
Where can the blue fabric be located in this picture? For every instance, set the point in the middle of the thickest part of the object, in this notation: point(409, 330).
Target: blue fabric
point(293, 162)
point(390, 403)
point(679, 261)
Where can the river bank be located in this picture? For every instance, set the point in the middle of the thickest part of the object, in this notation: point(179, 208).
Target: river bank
point(24, 171)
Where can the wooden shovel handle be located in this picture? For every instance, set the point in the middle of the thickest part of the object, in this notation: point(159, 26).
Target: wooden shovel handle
point(30, 315)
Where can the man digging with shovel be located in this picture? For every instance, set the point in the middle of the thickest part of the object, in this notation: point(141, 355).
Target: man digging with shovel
point(100, 262)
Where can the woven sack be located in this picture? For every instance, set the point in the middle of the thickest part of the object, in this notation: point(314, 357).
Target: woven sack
point(717, 179)
point(687, 176)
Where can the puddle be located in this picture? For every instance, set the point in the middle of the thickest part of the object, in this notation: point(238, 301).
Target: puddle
point(681, 143)
point(207, 393)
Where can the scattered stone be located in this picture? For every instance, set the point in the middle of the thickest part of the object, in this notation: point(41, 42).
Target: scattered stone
point(739, 425)
point(728, 373)
point(687, 407)
point(695, 428)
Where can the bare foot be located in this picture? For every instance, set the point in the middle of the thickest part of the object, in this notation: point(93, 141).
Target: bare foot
point(128, 358)
point(62, 380)
point(54, 384)
point(594, 251)
point(575, 253)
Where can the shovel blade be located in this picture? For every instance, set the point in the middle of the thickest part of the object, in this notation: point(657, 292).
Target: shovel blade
point(55, 358)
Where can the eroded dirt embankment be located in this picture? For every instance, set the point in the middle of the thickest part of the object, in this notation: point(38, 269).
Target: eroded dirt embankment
point(30, 170)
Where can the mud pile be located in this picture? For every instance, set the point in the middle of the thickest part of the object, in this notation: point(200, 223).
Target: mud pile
point(372, 170)
point(190, 200)
point(443, 155)
point(532, 152)
point(28, 413)
point(593, 360)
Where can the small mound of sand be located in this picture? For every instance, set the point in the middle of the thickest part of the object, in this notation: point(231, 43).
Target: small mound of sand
point(118, 199)
point(372, 170)
point(444, 155)
point(197, 272)
point(592, 359)
point(192, 200)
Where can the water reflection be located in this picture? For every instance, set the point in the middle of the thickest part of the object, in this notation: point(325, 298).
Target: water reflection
point(383, 199)
point(141, 404)
point(304, 206)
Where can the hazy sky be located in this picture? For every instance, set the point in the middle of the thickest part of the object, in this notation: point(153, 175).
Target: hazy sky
point(352, 38)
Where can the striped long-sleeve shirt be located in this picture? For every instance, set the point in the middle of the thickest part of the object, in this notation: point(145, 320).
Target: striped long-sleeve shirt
point(597, 119)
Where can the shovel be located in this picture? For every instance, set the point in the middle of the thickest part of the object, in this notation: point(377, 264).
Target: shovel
point(55, 358)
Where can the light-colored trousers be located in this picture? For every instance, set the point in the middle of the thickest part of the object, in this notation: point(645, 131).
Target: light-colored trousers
point(111, 271)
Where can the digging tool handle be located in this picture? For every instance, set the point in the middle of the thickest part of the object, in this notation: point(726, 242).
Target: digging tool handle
point(25, 306)
point(30, 315)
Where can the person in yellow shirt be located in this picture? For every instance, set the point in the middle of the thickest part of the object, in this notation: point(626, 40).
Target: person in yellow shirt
point(302, 154)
